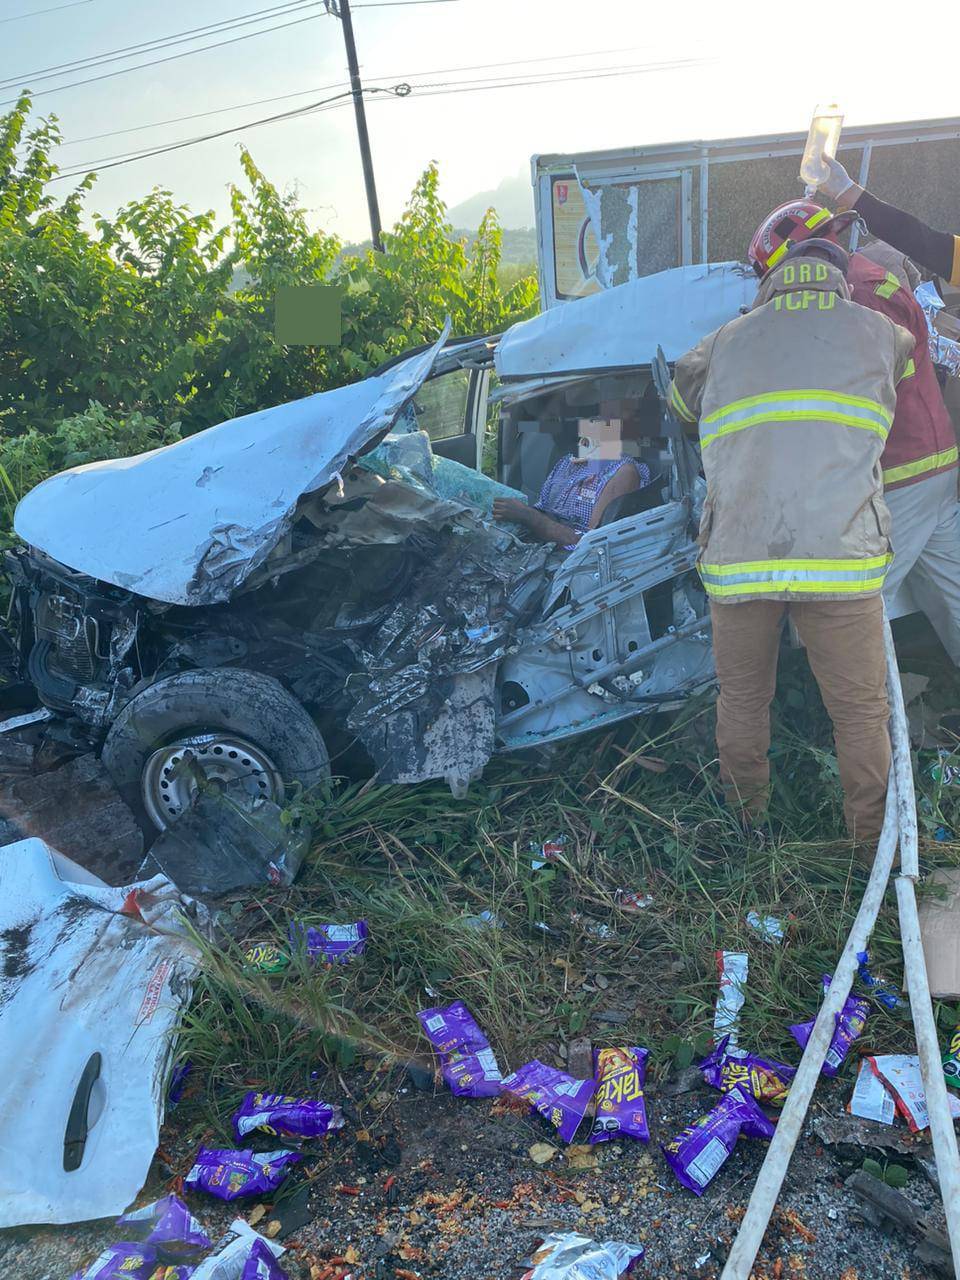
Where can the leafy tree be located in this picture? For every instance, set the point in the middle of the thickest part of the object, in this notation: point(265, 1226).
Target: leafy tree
point(159, 312)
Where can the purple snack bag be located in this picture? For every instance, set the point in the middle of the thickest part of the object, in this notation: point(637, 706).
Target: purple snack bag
point(765, 1080)
point(697, 1154)
point(621, 1110)
point(169, 1225)
point(121, 1262)
point(230, 1174)
point(468, 1064)
point(262, 1265)
point(178, 1081)
point(558, 1097)
point(285, 1117)
point(330, 943)
point(850, 1023)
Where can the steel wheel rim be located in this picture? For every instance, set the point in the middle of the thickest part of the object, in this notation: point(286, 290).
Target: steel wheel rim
point(221, 756)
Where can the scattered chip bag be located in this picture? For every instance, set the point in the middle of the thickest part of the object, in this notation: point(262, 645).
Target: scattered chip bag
point(121, 1262)
point(261, 1264)
point(770, 928)
point(697, 1154)
point(766, 1081)
point(879, 988)
point(558, 1097)
point(283, 1116)
point(951, 1060)
point(330, 943)
point(621, 1110)
point(732, 968)
point(900, 1072)
point(569, 1256)
point(468, 1064)
point(233, 1252)
point(850, 1023)
point(168, 1225)
point(229, 1174)
point(264, 957)
point(549, 851)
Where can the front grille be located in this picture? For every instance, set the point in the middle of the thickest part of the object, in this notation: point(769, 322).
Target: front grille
point(60, 619)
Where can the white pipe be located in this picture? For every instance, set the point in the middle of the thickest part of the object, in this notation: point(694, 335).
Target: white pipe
point(915, 968)
point(899, 822)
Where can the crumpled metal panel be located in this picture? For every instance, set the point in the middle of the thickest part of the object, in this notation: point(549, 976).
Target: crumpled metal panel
point(188, 523)
point(621, 328)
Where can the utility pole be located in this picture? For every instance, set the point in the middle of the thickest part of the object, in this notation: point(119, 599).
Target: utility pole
point(341, 9)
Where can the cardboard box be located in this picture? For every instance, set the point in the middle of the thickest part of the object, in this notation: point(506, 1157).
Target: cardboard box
point(940, 931)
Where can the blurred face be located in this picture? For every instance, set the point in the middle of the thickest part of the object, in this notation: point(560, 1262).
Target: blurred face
point(599, 438)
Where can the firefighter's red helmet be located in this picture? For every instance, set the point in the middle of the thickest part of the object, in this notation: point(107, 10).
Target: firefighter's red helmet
point(790, 224)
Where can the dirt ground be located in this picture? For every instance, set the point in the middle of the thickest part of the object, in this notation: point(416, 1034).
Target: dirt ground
point(432, 1186)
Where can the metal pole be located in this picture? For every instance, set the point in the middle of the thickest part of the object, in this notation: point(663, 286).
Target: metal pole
point(362, 136)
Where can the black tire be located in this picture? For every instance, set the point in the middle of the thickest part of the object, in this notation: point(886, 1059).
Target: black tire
point(252, 705)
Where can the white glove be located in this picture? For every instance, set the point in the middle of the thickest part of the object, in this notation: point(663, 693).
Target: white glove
point(837, 180)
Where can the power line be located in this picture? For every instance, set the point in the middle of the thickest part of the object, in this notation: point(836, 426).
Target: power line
point(430, 90)
point(19, 17)
point(300, 93)
point(142, 66)
point(154, 45)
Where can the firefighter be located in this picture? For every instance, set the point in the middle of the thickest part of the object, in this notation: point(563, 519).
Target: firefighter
point(794, 403)
point(937, 251)
point(920, 459)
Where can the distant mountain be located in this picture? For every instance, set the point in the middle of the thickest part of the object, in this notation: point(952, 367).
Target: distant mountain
point(512, 199)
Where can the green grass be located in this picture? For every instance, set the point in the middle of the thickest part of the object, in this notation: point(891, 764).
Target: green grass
point(640, 810)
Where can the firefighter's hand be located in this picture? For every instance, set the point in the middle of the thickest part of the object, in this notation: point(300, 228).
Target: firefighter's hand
point(837, 180)
point(511, 509)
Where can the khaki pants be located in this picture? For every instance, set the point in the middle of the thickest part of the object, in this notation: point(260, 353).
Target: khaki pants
point(844, 642)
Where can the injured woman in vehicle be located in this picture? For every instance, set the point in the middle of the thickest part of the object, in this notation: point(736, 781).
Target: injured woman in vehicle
point(580, 487)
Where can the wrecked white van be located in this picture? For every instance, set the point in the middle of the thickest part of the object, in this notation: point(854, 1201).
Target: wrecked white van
point(328, 570)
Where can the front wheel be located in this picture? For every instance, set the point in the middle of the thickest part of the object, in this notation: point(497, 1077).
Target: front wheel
point(240, 727)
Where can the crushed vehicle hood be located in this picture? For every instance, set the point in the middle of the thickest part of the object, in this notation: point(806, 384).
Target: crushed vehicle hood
point(187, 524)
point(621, 328)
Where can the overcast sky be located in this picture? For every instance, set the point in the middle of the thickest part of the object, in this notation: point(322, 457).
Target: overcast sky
point(756, 68)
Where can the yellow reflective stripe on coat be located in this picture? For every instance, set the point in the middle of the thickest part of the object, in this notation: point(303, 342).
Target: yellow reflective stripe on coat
point(678, 403)
point(781, 407)
point(887, 288)
point(909, 370)
point(816, 218)
point(933, 462)
point(805, 577)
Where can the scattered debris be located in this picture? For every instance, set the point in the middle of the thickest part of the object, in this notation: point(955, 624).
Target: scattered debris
point(765, 1080)
point(330, 943)
point(879, 988)
point(169, 1226)
point(580, 1058)
point(90, 992)
point(733, 967)
point(229, 1174)
point(951, 1059)
point(267, 958)
point(542, 1152)
point(285, 1117)
point(137, 1262)
point(227, 840)
point(697, 1154)
point(847, 1130)
point(234, 1249)
point(900, 1210)
point(568, 1256)
point(871, 1100)
point(548, 852)
point(900, 1072)
point(770, 928)
point(558, 1097)
point(468, 1064)
point(632, 901)
point(621, 1110)
point(850, 1023)
point(483, 920)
